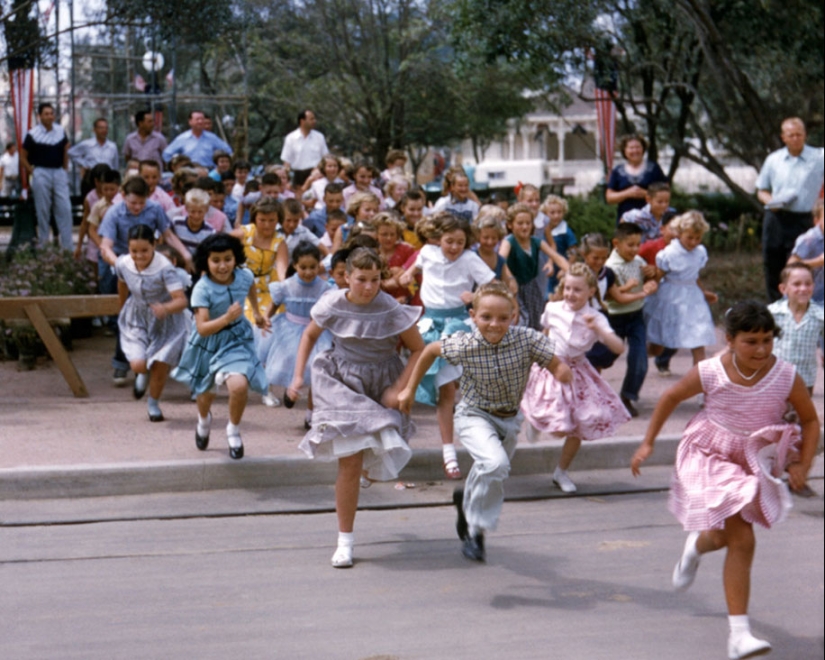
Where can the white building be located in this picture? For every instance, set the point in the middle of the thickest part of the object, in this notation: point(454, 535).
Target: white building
point(546, 147)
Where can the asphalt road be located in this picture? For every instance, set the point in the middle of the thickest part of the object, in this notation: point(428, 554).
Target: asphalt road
point(584, 578)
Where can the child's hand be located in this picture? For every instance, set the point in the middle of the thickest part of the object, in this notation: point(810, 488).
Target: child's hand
point(590, 321)
point(234, 312)
point(405, 400)
point(561, 372)
point(641, 455)
point(549, 267)
point(294, 389)
point(467, 297)
point(649, 271)
point(159, 310)
point(632, 283)
point(405, 279)
point(650, 287)
point(262, 322)
point(711, 297)
point(797, 476)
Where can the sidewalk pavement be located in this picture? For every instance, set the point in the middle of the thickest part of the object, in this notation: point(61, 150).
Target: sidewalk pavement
point(53, 445)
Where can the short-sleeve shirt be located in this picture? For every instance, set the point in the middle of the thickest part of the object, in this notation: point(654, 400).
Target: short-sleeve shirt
point(468, 209)
point(624, 272)
point(152, 284)
point(798, 341)
point(568, 329)
point(651, 227)
point(118, 221)
point(443, 281)
point(621, 179)
point(495, 375)
point(189, 237)
point(149, 149)
point(46, 148)
point(217, 298)
point(800, 177)
point(810, 246)
point(303, 152)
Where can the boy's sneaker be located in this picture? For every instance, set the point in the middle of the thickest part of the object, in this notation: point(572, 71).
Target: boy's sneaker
point(664, 372)
point(473, 548)
point(119, 377)
point(270, 401)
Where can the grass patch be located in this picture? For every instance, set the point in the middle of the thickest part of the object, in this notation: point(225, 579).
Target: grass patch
point(734, 277)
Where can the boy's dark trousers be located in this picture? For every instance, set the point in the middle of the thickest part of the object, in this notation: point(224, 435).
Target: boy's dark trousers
point(631, 327)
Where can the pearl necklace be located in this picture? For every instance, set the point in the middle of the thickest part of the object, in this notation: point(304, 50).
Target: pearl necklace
point(739, 371)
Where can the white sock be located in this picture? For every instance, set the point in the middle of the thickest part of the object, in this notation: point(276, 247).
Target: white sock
point(233, 435)
point(693, 553)
point(204, 424)
point(154, 408)
point(346, 539)
point(739, 624)
point(448, 451)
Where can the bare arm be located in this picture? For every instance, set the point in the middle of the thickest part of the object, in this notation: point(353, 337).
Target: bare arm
point(616, 293)
point(174, 306)
point(207, 326)
point(172, 239)
point(508, 279)
point(424, 362)
point(808, 420)
point(411, 339)
point(260, 320)
point(764, 196)
point(308, 339)
point(338, 239)
point(122, 293)
point(555, 257)
point(106, 251)
point(406, 278)
point(688, 387)
point(282, 260)
point(618, 196)
point(606, 336)
point(24, 160)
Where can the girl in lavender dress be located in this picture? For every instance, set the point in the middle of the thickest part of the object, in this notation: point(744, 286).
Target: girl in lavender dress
point(732, 455)
point(355, 385)
point(586, 408)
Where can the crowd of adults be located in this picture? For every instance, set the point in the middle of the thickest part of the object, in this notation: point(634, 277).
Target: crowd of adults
point(788, 184)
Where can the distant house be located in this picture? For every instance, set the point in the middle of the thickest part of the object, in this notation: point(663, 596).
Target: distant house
point(546, 146)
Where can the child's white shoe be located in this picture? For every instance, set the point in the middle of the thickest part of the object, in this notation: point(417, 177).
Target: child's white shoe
point(270, 401)
point(685, 570)
point(342, 557)
point(563, 481)
point(745, 645)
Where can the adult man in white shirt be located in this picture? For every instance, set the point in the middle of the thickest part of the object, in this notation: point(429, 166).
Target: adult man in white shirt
point(97, 149)
point(303, 148)
point(788, 185)
point(10, 171)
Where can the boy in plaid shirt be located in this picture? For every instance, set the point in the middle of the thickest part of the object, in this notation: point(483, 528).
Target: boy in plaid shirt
point(496, 358)
point(801, 322)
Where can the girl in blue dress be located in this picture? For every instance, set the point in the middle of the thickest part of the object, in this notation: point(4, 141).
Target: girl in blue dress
point(678, 315)
point(298, 294)
point(221, 348)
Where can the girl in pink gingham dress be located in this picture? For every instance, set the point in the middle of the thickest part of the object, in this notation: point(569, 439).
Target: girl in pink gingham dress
point(732, 455)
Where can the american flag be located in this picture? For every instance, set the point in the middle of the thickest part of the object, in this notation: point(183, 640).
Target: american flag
point(606, 120)
point(22, 100)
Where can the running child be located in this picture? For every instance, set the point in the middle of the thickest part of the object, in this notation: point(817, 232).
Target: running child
point(731, 456)
point(449, 273)
point(411, 208)
point(362, 178)
point(292, 229)
point(678, 315)
point(586, 408)
point(522, 249)
point(297, 294)
point(394, 252)
point(625, 299)
point(356, 385)
point(221, 348)
point(362, 207)
point(799, 320)
point(457, 199)
point(557, 233)
point(152, 323)
point(489, 229)
point(496, 358)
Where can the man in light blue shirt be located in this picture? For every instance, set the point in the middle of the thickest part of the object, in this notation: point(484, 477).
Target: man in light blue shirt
point(197, 143)
point(788, 185)
point(97, 149)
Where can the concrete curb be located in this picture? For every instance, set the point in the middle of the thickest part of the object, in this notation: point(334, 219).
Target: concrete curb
point(267, 472)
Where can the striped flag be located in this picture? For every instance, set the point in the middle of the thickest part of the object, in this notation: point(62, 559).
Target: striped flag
point(606, 120)
point(22, 100)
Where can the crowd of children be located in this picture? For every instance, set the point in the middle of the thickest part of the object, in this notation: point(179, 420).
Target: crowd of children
point(355, 284)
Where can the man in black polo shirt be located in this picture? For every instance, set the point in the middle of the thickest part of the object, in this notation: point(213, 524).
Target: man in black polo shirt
point(45, 155)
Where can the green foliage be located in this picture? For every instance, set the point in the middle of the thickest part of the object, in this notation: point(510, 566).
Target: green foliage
point(189, 21)
point(46, 272)
point(591, 214)
point(733, 225)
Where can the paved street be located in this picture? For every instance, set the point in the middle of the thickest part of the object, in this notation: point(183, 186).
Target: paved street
point(580, 578)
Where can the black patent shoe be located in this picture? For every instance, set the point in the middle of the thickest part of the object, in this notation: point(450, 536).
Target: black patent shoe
point(201, 441)
point(159, 418)
point(461, 522)
point(288, 403)
point(236, 452)
point(473, 548)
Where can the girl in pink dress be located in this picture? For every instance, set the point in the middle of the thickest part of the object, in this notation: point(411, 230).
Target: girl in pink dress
point(732, 455)
point(586, 408)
